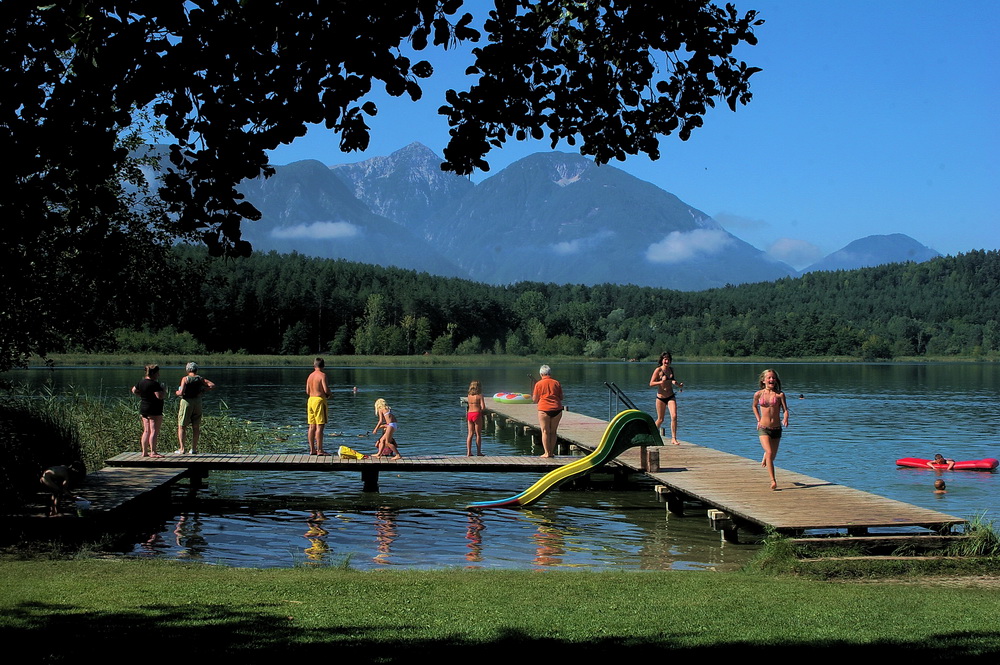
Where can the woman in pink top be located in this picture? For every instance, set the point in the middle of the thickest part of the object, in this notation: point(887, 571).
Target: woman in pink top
point(548, 396)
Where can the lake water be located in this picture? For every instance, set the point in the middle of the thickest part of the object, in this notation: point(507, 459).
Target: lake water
point(853, 422)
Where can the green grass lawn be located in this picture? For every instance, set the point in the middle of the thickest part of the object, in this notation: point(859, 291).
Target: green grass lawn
point(156, 611)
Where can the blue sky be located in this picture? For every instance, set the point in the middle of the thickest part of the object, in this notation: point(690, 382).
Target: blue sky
point(869, 117)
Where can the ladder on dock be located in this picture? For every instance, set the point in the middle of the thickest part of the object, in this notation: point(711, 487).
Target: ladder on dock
point(617, 397)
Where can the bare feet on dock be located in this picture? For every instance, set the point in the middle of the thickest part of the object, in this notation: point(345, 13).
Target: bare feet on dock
point(322, 453)
point(547, 456)
point(397, 457)
point(675, 442)
point(774, 485)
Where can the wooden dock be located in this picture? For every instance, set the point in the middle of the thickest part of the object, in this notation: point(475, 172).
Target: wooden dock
point(109, 493)
point(300, 462)
point(736, 489)
point(200, 465)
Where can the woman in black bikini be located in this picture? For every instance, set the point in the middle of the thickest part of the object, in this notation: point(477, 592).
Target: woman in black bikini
point(663, 380)
point(771, 410)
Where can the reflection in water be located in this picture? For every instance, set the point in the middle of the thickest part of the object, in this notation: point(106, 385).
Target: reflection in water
point(385, 533)
point(316, 535)
point(549, 543)
point(190, 542)
point(473, 534)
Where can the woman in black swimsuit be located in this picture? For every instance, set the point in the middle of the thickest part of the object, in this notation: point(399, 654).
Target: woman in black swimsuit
point(771, 410)
point(151, 393)
point(663, 380)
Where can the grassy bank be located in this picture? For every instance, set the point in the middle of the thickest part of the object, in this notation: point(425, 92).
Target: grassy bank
point(163, 610)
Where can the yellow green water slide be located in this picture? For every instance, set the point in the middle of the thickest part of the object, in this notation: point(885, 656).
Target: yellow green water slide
point(628, 429)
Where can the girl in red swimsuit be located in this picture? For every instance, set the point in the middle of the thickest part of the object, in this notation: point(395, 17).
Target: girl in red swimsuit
point(474, 417)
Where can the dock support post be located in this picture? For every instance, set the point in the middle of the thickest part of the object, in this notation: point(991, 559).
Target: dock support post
point(196, 476)
point(721, 521)
point(674, 500)
point(369, 478)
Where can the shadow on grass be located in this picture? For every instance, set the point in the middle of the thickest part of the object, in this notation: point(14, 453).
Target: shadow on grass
point(48, 633)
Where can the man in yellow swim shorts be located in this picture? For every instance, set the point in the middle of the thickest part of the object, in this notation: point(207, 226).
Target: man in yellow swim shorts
point(316, 410)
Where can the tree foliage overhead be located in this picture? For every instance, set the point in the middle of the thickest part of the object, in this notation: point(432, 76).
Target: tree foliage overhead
point(613, 74)
point(227, 80)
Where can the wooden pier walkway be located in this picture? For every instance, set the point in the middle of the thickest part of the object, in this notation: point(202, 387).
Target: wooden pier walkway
point(200, 465)
point(734, 488)
point(737, 488)
point(300, 462)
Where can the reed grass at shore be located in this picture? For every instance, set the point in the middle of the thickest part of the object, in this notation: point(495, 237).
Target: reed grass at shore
point(39, 430)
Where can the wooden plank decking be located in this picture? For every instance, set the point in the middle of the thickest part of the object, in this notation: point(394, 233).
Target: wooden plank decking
point(298, 462)
point(739, 486)
point(110, 489)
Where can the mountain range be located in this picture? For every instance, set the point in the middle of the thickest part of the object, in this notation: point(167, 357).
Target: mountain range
point(550, 217)
point(874, 251)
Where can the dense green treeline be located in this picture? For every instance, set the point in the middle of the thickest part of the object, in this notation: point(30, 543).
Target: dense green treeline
point(293, 304)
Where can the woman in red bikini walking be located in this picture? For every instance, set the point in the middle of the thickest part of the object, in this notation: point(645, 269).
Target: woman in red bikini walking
point(771, 410)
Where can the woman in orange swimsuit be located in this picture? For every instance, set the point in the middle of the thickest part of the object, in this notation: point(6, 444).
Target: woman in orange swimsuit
point(771, 410)
point(548, 395)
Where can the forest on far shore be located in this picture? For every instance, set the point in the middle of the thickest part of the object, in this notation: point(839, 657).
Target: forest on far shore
point(293, 304)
